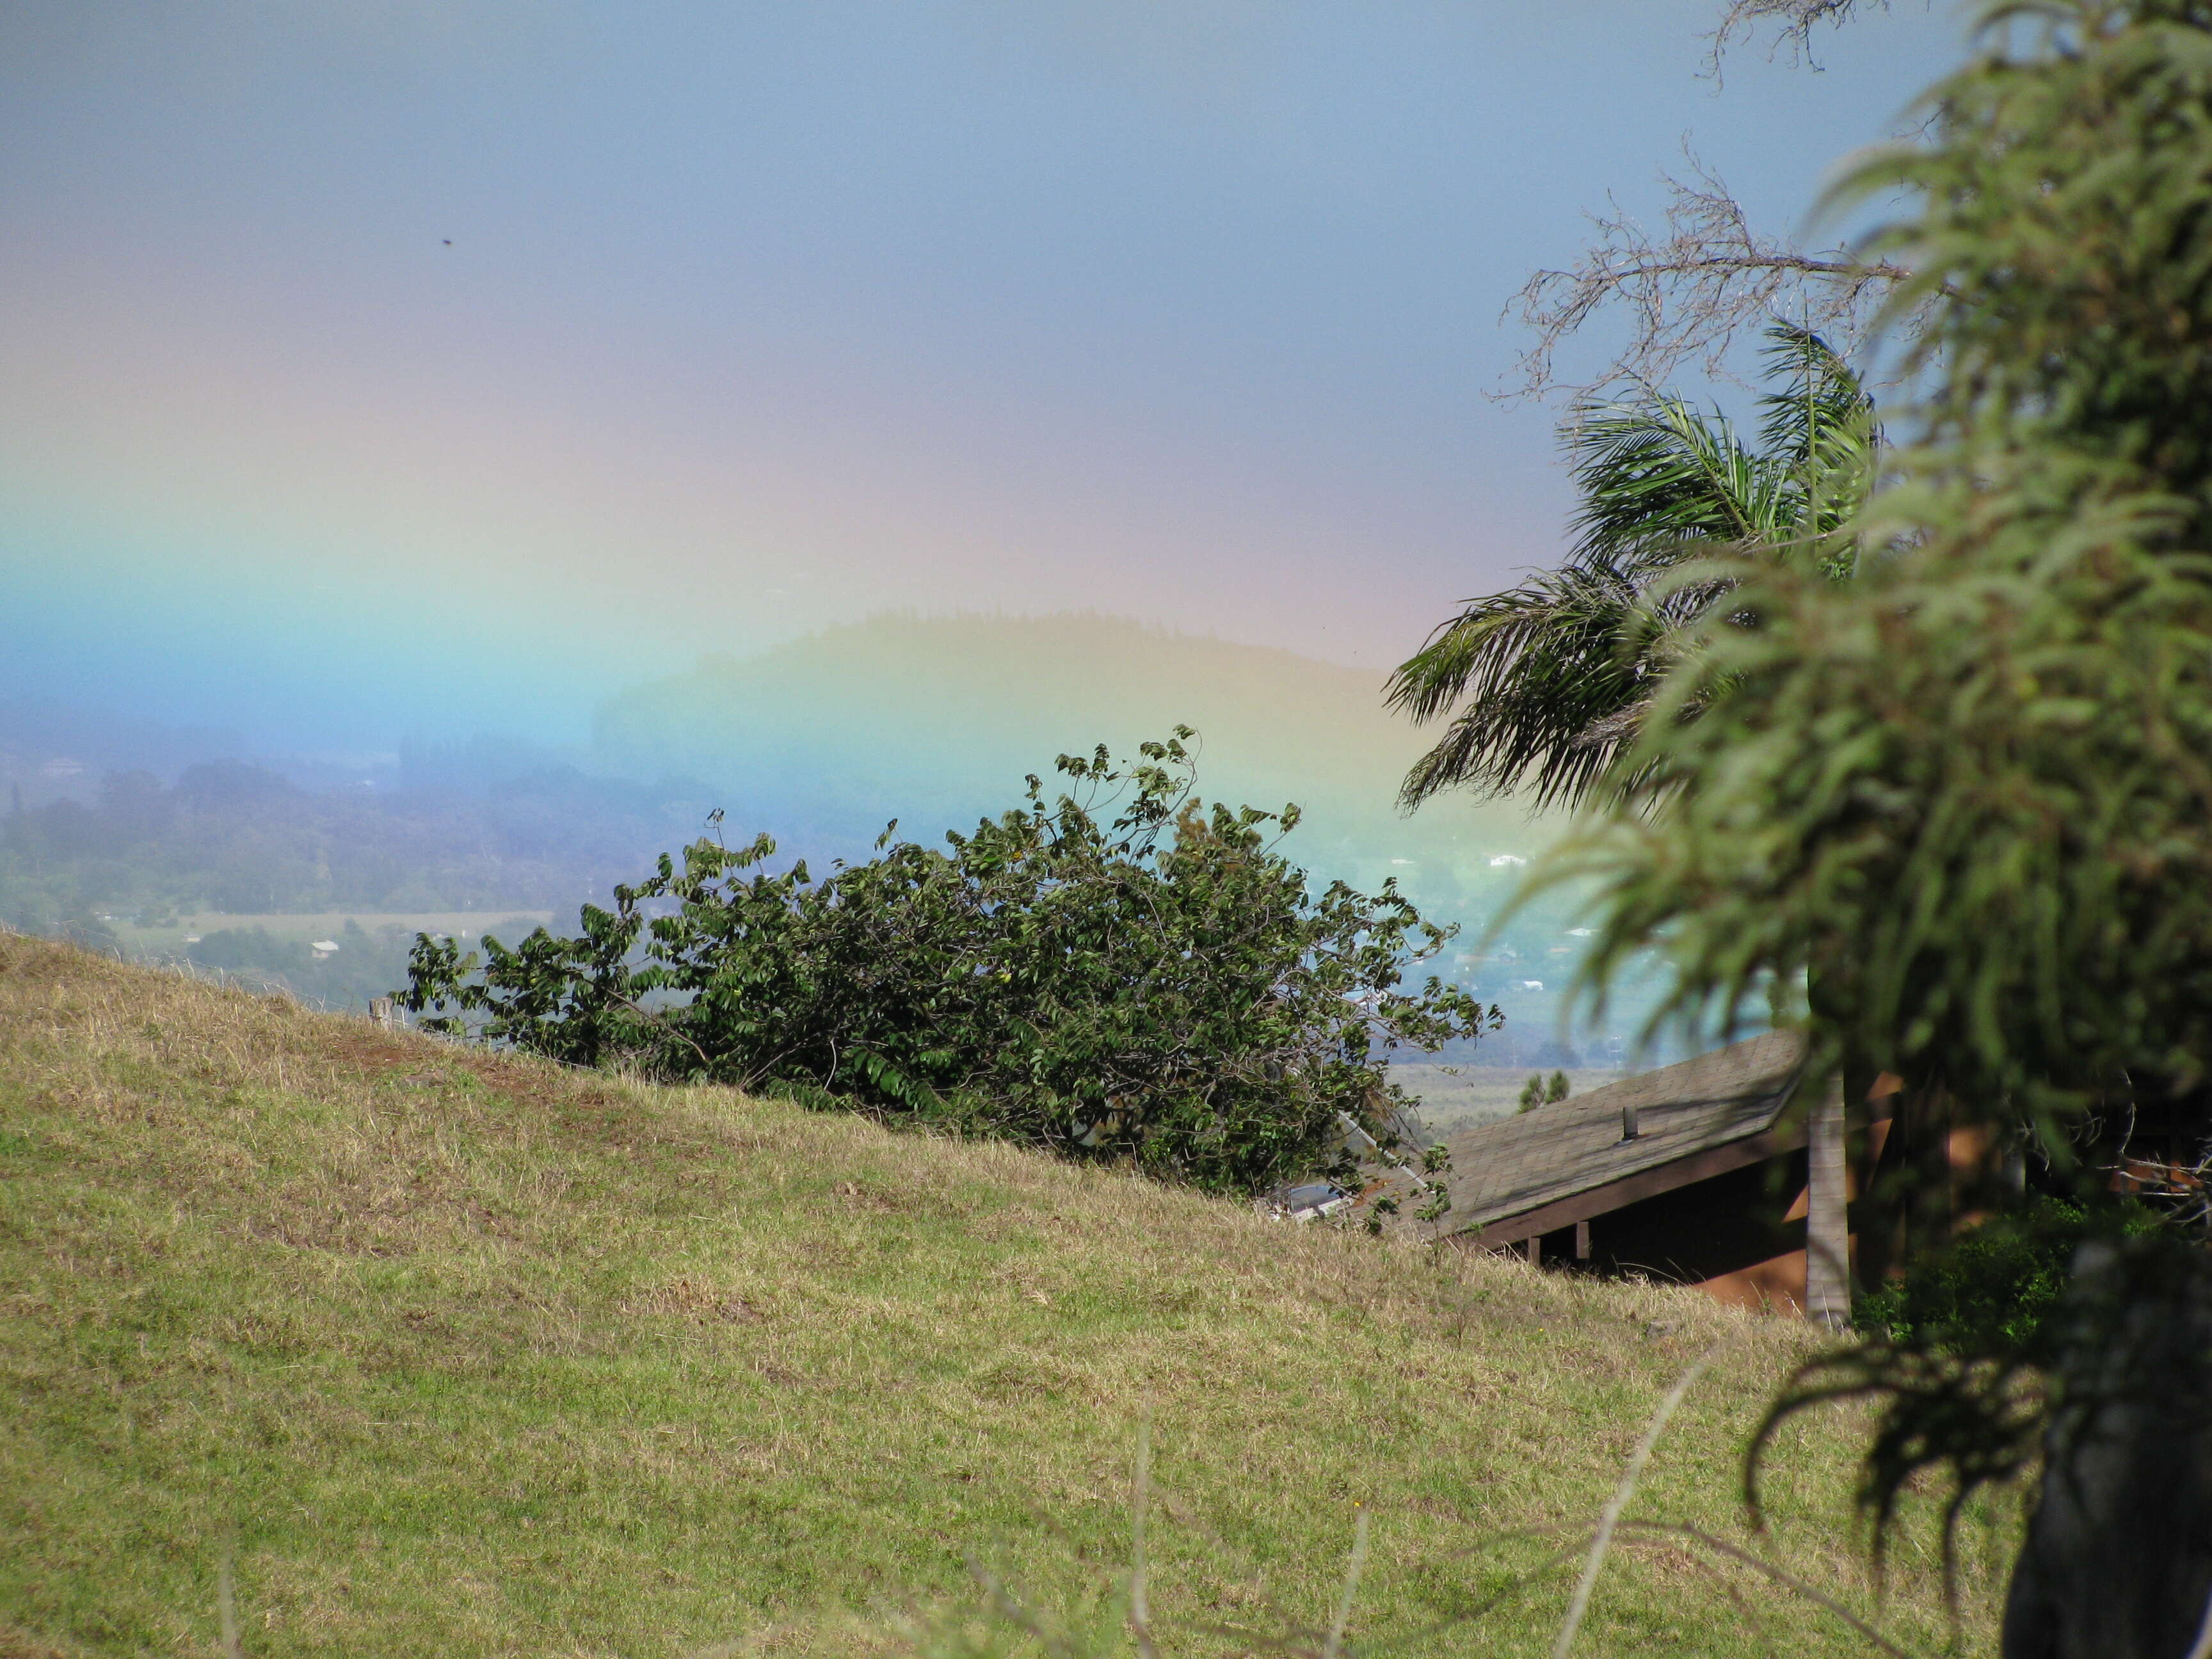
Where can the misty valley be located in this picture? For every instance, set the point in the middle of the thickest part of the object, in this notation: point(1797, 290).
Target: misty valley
point(316, 873)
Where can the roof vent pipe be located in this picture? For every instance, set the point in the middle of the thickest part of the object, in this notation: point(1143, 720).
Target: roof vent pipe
point(1628, 1130)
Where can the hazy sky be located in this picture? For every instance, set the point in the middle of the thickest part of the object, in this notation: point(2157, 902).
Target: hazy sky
point(368, 367)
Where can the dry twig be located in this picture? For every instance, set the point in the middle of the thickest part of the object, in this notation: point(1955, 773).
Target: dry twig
point(1690, 288)
point(1797, 18)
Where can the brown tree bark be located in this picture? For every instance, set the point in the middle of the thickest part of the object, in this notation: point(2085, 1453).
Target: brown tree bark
point(1827, 1219)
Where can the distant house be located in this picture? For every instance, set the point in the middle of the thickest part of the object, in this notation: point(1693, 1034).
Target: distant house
point(1694, 1173)
point(324, 949)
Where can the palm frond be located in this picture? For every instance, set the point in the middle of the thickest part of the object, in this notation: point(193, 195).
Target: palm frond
point(1823, 396)
point(1551, 679)
point(1655, 475)
point(1535, 667)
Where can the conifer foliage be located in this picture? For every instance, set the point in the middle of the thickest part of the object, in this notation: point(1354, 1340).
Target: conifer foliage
point(1158, 985)
point(1966, 797)
point(1969, 788)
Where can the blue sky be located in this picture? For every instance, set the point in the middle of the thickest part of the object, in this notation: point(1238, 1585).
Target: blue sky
point(368, 367)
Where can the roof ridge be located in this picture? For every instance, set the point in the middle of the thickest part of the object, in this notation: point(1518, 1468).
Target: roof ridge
point(1512, 1164)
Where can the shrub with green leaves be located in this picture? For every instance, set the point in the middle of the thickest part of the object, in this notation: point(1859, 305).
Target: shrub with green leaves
point(1539, 1091)
point(1992, 1290)
point(1160, 986)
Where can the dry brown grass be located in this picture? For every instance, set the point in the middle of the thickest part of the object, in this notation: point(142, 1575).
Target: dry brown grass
point(466, 1354)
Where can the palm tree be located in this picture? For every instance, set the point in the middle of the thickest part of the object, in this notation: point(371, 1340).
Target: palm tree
point(1551, 679)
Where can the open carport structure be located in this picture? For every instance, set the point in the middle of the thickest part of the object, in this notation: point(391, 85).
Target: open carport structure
point(1697, 1173)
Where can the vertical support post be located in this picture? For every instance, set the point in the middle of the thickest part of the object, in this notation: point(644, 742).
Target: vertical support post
point(383, 1011)
point(1534, 1249)
point(1827, 1219)
point(1582, 1241)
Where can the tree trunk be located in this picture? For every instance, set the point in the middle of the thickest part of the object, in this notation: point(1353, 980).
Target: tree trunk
point(1827, 1222)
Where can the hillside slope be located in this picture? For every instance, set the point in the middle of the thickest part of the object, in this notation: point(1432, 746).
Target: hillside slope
point(454, 1355)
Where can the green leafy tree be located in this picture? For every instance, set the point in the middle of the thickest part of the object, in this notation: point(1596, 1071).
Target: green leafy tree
point(1160, 986)
point(1555, 679)
point(1540, 1090)
point(1974, 771)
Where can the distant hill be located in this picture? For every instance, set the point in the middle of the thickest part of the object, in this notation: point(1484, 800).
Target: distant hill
point(56, 752)
point(937, 719)
point(241, 839)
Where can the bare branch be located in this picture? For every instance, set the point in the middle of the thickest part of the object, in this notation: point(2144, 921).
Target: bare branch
point(1691, 288)
point(1796, 18)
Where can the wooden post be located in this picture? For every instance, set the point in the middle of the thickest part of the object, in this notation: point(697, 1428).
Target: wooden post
point(1630, 1126)
point(1827, 1219)
point(1535, 1249)
point(1582, 1241)
point(382, 1011)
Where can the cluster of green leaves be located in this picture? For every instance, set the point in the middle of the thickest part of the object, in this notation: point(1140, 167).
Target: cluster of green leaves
point(1540, 1090)
point(1963, 800)
point(1160, 986)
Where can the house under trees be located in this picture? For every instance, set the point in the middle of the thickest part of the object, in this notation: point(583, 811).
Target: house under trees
point(1699, 1173)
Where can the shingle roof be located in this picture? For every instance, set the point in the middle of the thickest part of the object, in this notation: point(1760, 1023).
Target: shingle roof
point(1505, 1169)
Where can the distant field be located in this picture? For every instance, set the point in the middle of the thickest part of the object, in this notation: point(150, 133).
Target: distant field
point(297, 928)
point(451, 1354)
point(1455, 1097)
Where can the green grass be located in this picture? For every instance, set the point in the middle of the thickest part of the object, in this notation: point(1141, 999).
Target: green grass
point(1456, 1098)
point(453, 1354)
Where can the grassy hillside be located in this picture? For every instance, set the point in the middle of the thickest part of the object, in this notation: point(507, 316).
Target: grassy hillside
point(457, 1355)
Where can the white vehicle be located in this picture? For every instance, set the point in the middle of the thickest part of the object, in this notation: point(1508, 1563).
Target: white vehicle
point(1312, 1201)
